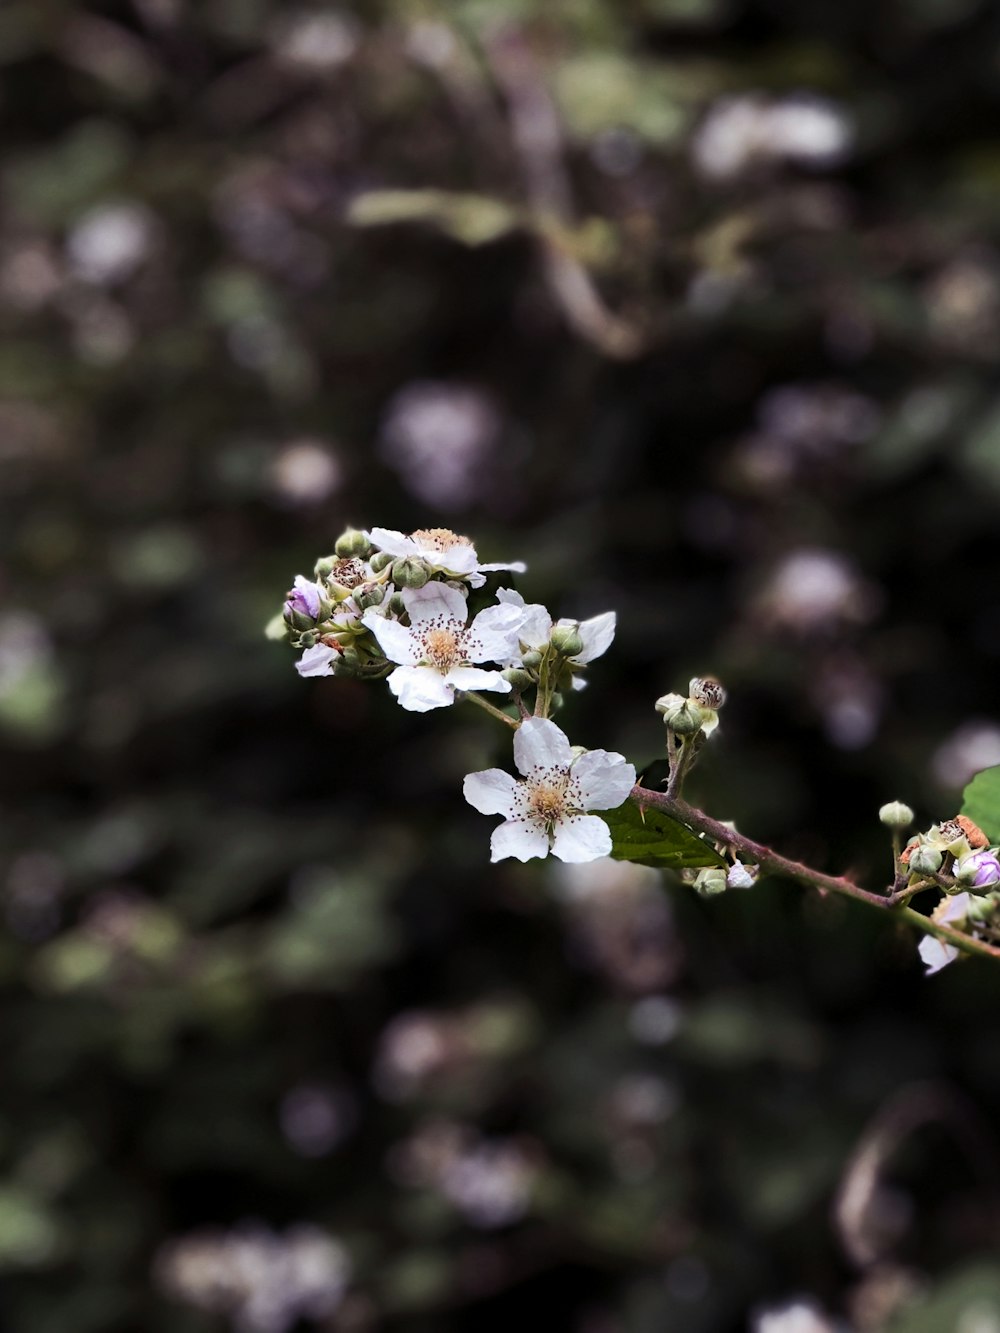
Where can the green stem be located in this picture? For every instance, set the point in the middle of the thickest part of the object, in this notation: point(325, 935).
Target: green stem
point(776, 864)
point(489, 708)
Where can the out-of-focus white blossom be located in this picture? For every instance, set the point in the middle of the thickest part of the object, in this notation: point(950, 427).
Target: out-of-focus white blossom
point(812, 590)
point(743, 132)
point(975, 745)
point(440, 437)
point(110, 242)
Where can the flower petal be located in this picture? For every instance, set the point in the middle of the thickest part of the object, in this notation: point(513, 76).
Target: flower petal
point(516, 567)
point(518, 839)
point(602, 780)
point(493, 635)
point(435, 601)
point(393, 543)
point(935, 954)
point(581, 838)
point(491, 792)
point(597, 635)
point(951, 909)
point(539, 743)
point(317, 661)
point(474, 678)
point(419, 689)
point(397, 642)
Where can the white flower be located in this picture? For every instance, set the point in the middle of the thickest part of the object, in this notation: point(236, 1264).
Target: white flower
point(442, 550)
point(545, 812)
point(436, 651)
point(934, 953)
point(597, 633)
point(317, 661)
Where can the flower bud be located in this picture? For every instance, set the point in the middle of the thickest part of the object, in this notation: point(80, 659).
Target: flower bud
point(667, 701)
point(982, 909)
point(710, 881)
point(978, 870)
point(352, 543)
point(924, 860)
point(409, 573)
point(684, 718)
point(369, 594)
point(380, 560)
point(896, 815)
point(741, 876)
point(566, 640)
point(707, 692)
point(323, 566)
point(518, 678)
point(532, 660)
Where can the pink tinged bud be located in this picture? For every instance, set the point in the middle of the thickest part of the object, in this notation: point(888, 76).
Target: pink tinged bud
point(979, 869)
point(304, 597)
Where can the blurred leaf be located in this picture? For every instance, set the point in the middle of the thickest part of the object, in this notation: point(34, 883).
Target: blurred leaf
point(968, 1302)
point(651, 838)
point(981, 802)
point(473, 219)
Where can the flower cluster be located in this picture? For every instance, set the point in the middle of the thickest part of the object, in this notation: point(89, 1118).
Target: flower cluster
point(412, 609)
point(956, 857)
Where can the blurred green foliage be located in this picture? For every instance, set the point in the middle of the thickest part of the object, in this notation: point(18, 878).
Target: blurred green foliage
point(695, 306)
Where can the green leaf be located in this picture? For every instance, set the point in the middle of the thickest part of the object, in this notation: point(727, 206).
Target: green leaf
point(652, 838)
point(981, 802)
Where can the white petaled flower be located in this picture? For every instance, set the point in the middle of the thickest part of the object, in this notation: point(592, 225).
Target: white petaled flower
point(440, 549)
point(438, 651)
point(546, 811)
point(934, 953)
point(597, 633)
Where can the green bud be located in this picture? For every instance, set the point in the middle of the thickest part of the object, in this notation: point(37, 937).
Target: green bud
point(925, 860)
point(684, 718)
point(710, 882)
point(352, 544)
point(531, 661)
point(323, 566)
point(565, 639)
point(369, 594)
point(518, 678)
point(381, 560)
point(308, 640)
point(896, 815)
point(299, 620)
point(982, 909)
point(408, 573)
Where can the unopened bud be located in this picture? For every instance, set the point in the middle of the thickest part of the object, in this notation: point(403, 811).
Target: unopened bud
point(707, 692)
point(409, 573)
point(684, 718)
point(896, 815)
point(710, 881)
point(324, 565)
point(369, 594)
point(566, 640)
point(381, 560)
point(978, 870)
point(924, 860)
point(518, 678)
point(352, 543)
point(532, 660)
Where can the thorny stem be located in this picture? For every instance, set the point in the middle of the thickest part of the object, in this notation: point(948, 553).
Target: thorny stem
point(769, 860)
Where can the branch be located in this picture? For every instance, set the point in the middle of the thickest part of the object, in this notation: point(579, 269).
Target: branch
point(776, 864)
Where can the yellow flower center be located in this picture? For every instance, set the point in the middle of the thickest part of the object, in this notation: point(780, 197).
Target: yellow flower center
point(442, 649)
point(547, 803)
point(439, 539)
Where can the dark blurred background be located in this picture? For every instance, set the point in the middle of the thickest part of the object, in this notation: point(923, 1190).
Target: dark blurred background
point(695, 306)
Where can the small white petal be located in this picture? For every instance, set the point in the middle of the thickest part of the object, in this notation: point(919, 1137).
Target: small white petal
point(510, 597)
point(597, 635)
point(419, 689)
point(435, 600)
point(710, 720)
point(458, 559)
point(518, 839)
point(603, 780)
point(493, 635)
point(516, 567)
point(393, 543)
point(935, 954)
point(539, 743)
point(581, 838)
point(475, 678)
point(397, 642)
point(317, 661)
point(491, 792)
point(955, 908)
